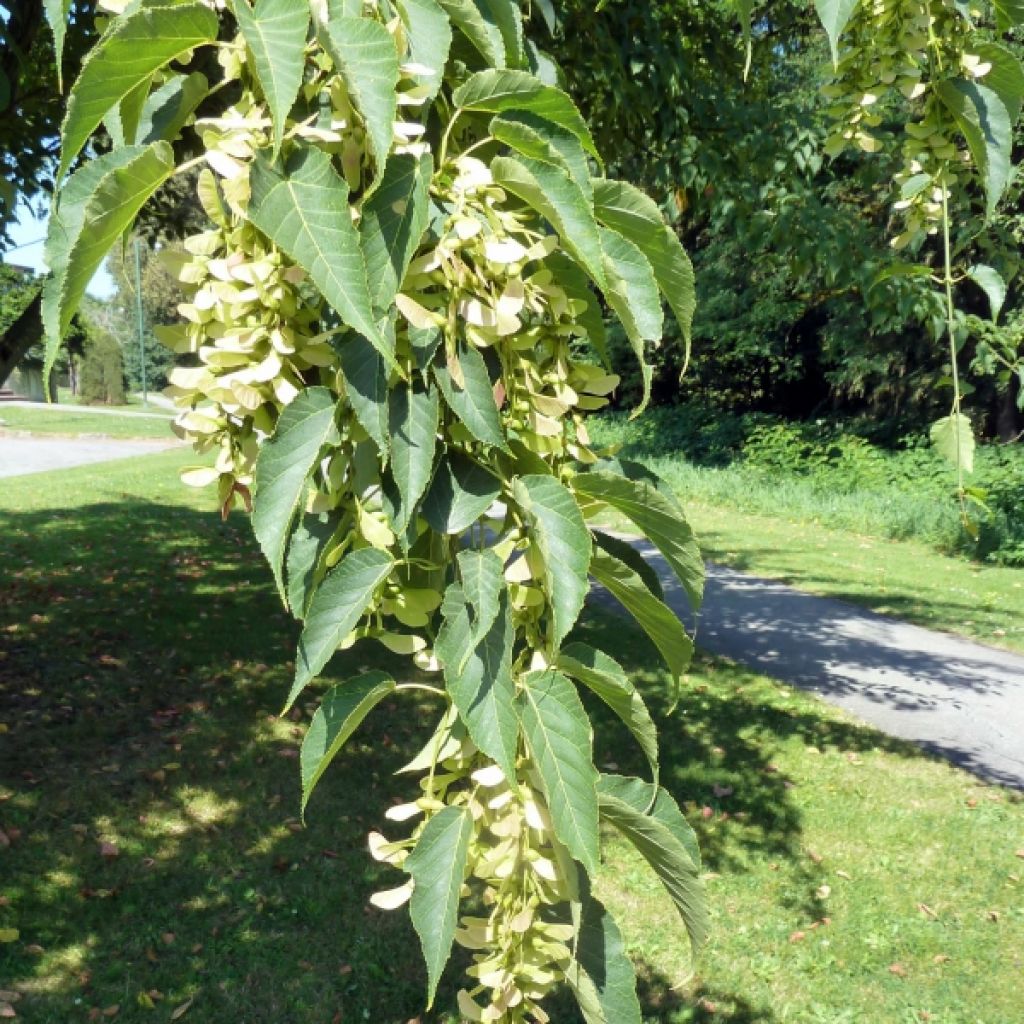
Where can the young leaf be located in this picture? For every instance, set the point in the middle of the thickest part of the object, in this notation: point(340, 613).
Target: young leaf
point(665, 840)
point(497, 91)
point(430, 38)
point(481, 31)
point(834, 15)
point(626, 210)
point(460, 493)
point(275, 31)
point(335, 610)
point(364, 53)
point(558, 529)
point(303, 207)
point(548, 189)
point(340, 713)
point(283, 466)
point(632, 292)
point(654, 617)
point(657, 518)
point(953, 438)
point(474, 403)
point(138, 43)
point(478, 674)
point(985, 123)
point(989, 280)
point(366, 386)
point(412, 424)
point(601, 974)
point(606, 678)
point(438, 867)
point(560, 739)
point(392, 224)
point(305, 550)
point(168, 108)
point(98, 204)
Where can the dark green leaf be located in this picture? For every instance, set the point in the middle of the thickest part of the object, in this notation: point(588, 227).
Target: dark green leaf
point(335, 610)
point(438, 868)
point(275, 31)
point(460, 493)
point(558, 530)
point(508, 18)
point(412, 424)
point(305, 556)
point(989, 280)
point(366, 386)
point(485, 36)
point(474, 404)
point(626, 553)
point(560, 739)
point(282, 470)
point(168, 108)
point(430, 37)
point(532, 136)
point(339, 715)
point(139, 43)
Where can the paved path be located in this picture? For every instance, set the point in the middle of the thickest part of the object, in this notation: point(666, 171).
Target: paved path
point(951, 696)
point(22, 455)
point(93, 410)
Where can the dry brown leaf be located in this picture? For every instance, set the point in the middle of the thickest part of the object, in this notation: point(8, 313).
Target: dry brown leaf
point(846, 875)
point(1020, 853)
point(993, 916)
point(168, 938)
point(815, 856)
point(797, 937)
point(179, 1011)
point(927, 911)
point(898, 969)
point(112, 1011)
point(109, 850)
point(6, 1010)
point(941, 958)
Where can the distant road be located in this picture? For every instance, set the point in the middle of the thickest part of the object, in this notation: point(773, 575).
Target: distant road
point(22, 455)
point(98, 410)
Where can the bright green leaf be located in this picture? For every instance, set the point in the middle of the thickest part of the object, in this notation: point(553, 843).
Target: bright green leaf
point(438, 867)
point(834, 15)
point(57, 12)
point(560, 739)
point(533, 136)
point(953, 438)
point(989, 280)
point(1009, 13)
point(430, 37)
point(340, 713)
point(480, 30)
point(335, 611)
point(139, 43)
point(275, 31)
point(168, 108)
point(1006, 76)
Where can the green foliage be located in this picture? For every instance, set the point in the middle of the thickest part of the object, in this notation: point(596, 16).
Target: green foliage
point(101, 371)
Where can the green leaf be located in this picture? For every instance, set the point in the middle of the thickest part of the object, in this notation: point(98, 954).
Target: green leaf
point(430, 37)
point(438, 868)
point(480, 30)
point(550, 191)
point(989, 280)
point(576, 284)
point(137, 44)
point(340, 713)
point(392, 224)
point(660, 520)
point(335, 610)
point(1006, 76)
point(606, 678)
point(474, 404)
point(283, 467)
point(412, 424)
point(483, 581)
point(558, 530)
point(97, 205)
point(834, 15)
point(626, 210)
point(305, 554)
point(654, 617)
point(275, 31)
point(1008, 13)
point(953, 438)
point(626, 553)
point(122, 120)
point(560, 739)
point(460, 493)
point(478, 674)
point(366, 386)
point(168, 108)
point(57, 12)
point(533, 136)
point(632, 292)
point(601, 975)
point(985, 123)
point(498, 91)
point(303, 207)
point(659, 838)
point(508, 18)
point(364, 52)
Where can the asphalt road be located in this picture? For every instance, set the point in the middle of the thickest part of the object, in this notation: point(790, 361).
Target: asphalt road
point(951, 696)
point(22, 455)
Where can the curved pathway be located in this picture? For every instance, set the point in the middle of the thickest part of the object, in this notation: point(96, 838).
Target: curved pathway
point(20, 456)
point(949, 695)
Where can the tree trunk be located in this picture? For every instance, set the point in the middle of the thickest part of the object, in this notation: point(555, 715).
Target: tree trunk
point(1009, 421)
point(20, 337)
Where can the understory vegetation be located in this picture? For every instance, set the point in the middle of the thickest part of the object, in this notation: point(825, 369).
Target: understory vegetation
point(851, 476)
point(153, 857)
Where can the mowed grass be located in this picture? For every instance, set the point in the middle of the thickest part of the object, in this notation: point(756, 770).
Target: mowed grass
point(154, 858)
point(75, 423)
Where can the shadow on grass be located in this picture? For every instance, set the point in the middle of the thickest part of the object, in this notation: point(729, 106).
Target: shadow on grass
point(150, 794)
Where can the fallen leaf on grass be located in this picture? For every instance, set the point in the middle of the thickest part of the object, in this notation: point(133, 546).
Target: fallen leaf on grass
point(112, 1011)
point(180, 1011)
point(6, 1010)
point(843, 874)
point(941, 958)
point(927, 911)
point(797, 937)
point(993, 916)
point(145, 1000)
point(9, 934)
point(823, 892)
point(1020, 853)
point(898, 969)
point(168, 938)
point(721, 791)
point(109, 850)
point(815, 856)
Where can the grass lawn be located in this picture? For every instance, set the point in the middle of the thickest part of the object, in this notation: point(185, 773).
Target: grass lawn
point(900, 578)
point(152, 857)
point(72, 422)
